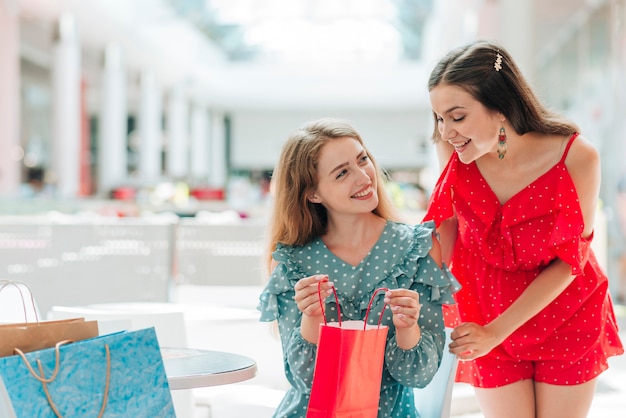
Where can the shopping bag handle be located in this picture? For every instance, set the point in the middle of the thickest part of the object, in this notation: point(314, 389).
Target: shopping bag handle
point(6, 283)
point(319, 297)
point(367, 313)
point(44, 381)
point(369, 306)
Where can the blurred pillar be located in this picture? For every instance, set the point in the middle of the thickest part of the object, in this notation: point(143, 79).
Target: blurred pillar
point(217, 176)
point(10, 151)
point(200, 143)
point(516, 33)
point(149, 129)
point(66, 122)
point(177, 155)
point(112, 147)
point(85, 159)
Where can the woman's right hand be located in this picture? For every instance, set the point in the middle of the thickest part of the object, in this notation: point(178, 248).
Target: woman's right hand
point(306, 294)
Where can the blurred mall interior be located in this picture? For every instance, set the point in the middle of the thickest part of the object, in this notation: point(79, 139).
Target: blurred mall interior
point(118, 116)
point(130, 107)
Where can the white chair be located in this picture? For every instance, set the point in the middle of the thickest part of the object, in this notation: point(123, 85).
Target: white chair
point(6, 407)
point(167, 319)
point(435, 400)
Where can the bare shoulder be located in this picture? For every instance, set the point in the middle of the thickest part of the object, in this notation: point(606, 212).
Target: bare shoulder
point(583, 165)
point(583, 157)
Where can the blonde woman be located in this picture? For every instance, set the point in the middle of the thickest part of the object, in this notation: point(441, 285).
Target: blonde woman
point(333, 223)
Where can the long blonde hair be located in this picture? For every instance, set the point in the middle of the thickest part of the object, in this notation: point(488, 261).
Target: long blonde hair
point(295, 220)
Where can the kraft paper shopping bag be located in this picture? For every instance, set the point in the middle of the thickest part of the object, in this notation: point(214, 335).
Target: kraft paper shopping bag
point(31, 336)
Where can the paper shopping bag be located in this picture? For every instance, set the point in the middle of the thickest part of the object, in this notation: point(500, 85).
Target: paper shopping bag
point(114, 375)
point(31, 336)
point(348, 368)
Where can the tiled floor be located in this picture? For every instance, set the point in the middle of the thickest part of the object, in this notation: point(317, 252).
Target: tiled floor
point(236, 328)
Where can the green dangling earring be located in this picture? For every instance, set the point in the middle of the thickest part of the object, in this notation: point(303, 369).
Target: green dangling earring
point(501, 143)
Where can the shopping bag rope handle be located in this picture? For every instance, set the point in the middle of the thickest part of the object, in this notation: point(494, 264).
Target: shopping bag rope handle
point(44, 381)
point(6, 283)
point(367, 313)
point(57, 362)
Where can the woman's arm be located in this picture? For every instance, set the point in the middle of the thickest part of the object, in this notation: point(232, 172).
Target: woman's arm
point(298, 353)
point(425, 353)
point(308, 301)
point(405, 305)
point(447, 231)
point(421, 351)
point(471, 340)
point(583, 164)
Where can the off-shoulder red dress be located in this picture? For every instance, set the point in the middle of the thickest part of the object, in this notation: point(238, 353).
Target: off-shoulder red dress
point(500, 250)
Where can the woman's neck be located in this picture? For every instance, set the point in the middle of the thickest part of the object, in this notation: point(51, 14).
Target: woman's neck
point(354, 234)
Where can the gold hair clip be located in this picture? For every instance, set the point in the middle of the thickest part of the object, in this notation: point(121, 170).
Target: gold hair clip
point(498, 64)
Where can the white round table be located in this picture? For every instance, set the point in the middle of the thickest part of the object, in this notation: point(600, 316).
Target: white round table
point(189, 368)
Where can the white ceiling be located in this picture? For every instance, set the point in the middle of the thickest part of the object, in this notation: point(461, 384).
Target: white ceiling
point(152, 36)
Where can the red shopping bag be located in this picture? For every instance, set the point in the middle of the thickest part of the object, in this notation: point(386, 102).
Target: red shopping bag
point(348, 367)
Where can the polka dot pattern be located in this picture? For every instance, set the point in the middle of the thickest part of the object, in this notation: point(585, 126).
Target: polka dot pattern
point(399, 259)
point(501, 249)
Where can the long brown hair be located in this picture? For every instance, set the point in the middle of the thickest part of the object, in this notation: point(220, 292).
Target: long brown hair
point(295, 220)
point(471, 67)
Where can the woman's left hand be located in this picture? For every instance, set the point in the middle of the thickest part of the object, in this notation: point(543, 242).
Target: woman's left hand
point(405, 306)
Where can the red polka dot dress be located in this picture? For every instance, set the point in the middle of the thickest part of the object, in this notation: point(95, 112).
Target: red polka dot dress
point(502, 248)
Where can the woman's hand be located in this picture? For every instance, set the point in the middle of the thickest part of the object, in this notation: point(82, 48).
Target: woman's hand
point(306, 294)
point(405, 306)
point(470, 341)
point(308, 302)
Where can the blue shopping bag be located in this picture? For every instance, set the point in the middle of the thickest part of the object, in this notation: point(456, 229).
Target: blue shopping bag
point(114, 375)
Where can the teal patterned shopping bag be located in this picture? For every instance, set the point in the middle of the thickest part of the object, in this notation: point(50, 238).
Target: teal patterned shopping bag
point(114, 375)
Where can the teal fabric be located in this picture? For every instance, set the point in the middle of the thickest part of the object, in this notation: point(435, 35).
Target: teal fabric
point(399, 259)
point(138, 385)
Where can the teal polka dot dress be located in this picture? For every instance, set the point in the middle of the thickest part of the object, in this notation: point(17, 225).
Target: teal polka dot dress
point(399, 259)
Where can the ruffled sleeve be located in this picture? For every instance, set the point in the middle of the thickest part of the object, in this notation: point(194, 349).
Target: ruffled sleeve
point(419, 268)
point(440, 202)
point(281, 282)
point(277, 303)
point(566, 240)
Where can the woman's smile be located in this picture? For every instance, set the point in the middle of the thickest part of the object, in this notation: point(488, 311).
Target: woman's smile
point(364, 193)
point(458, 146)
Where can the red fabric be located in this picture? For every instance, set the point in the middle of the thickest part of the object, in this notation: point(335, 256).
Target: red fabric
point(502, 248)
